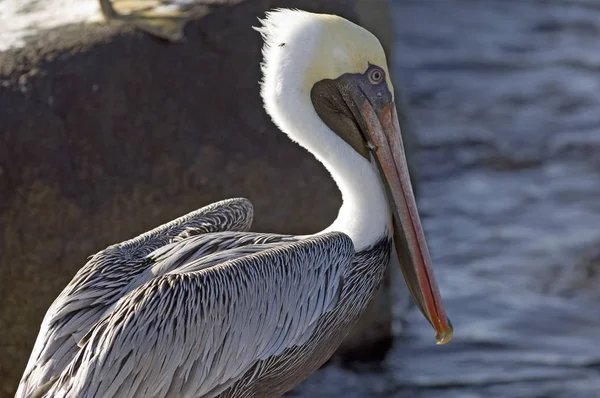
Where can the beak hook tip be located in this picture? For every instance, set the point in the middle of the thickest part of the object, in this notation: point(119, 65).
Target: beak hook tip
point(444, 336)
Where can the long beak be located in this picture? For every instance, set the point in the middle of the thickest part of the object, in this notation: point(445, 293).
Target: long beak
point(383, 132)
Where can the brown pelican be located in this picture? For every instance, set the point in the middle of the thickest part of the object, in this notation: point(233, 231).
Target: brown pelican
point(201, 308)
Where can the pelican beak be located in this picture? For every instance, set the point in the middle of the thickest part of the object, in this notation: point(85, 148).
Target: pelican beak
point(385, 142)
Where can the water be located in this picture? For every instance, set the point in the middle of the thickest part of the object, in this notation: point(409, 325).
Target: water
point(505, 95)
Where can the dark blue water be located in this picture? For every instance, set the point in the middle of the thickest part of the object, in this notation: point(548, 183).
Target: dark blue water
point(505, 96)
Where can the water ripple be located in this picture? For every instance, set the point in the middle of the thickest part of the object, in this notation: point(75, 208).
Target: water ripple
point(506, 97)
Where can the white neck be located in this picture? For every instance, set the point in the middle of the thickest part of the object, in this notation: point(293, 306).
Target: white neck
point(365, 215)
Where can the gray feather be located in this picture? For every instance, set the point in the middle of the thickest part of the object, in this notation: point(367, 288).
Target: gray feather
point(218, 321)
point(200, 308)
point(106, 277)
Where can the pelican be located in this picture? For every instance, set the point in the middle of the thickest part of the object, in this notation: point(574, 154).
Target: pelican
point(200, 307)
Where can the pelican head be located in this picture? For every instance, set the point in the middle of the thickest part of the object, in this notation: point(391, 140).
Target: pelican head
point(327, 85)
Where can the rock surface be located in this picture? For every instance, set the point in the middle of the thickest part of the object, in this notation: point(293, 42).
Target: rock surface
point(106, 132)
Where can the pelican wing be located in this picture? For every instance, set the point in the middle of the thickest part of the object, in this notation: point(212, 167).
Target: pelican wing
point(109, 275)
point(193, 334)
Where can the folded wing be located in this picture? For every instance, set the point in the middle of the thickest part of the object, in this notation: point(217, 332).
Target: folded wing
point(193, 334)
point(109, 275)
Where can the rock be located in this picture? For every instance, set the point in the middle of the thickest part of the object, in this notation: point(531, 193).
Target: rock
point(106, 132)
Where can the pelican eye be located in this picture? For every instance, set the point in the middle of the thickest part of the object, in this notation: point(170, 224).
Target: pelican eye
point(375, 76)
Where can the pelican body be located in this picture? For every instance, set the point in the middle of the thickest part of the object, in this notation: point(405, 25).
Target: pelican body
point(200, 307)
